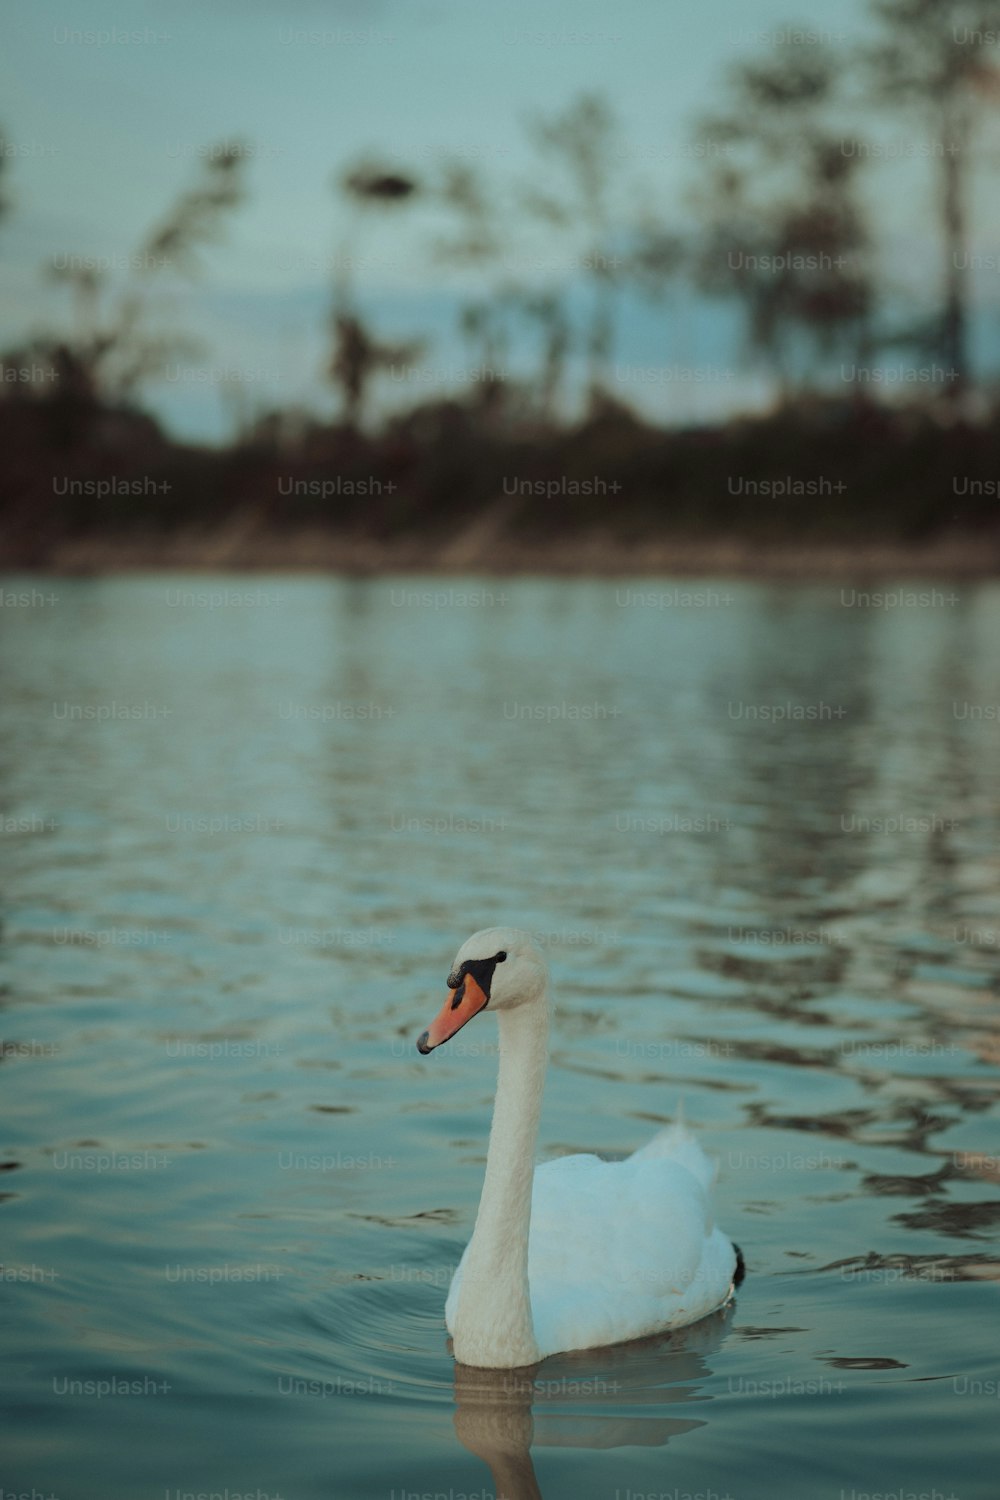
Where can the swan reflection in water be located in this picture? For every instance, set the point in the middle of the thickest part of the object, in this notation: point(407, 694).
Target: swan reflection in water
point(588, 1399)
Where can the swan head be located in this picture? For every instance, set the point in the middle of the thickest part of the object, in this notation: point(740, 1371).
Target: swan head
point(500, 967)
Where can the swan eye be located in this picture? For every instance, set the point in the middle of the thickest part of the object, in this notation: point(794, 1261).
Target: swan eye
point(500, 958)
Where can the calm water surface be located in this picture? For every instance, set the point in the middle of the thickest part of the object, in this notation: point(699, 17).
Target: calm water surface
point(246, 822)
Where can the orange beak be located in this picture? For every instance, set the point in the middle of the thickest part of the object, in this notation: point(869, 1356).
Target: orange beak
point(461, 1005)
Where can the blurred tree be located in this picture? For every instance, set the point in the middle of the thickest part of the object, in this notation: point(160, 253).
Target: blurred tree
point(484, 324)
point(782, 227)
point(547, 311)
point(582, 143)
point(478, 239)
point(196, 217)
point(358, 355)
point(112, 350)
point(367, 186)
point(474, 238)
point(474, 242)
point(931, 61)
point(658, 260)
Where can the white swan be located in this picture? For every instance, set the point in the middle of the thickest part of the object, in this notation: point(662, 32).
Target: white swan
point(581, 1252)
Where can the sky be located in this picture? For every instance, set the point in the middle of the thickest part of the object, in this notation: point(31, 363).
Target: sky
point(106, 104)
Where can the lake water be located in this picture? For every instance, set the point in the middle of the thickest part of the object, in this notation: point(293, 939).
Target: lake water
point(247, 822)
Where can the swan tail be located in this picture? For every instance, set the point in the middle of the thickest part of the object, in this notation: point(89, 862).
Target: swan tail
point(676, 1142)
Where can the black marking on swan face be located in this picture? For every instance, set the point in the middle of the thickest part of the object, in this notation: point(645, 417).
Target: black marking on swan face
point(481, 970)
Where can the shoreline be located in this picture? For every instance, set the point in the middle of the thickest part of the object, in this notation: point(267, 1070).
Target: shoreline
point(313, 551)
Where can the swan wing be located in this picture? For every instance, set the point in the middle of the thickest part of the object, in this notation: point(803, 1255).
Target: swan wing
point(619, 1250)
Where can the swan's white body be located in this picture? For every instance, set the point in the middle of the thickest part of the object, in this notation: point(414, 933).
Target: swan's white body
point(580, 1252)
point(618, 1250)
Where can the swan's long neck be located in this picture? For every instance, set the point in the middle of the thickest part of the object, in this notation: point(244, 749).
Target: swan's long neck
point(493, 1326)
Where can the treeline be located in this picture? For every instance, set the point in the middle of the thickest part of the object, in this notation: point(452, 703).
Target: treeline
point(880, 426)
point(437, 478)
